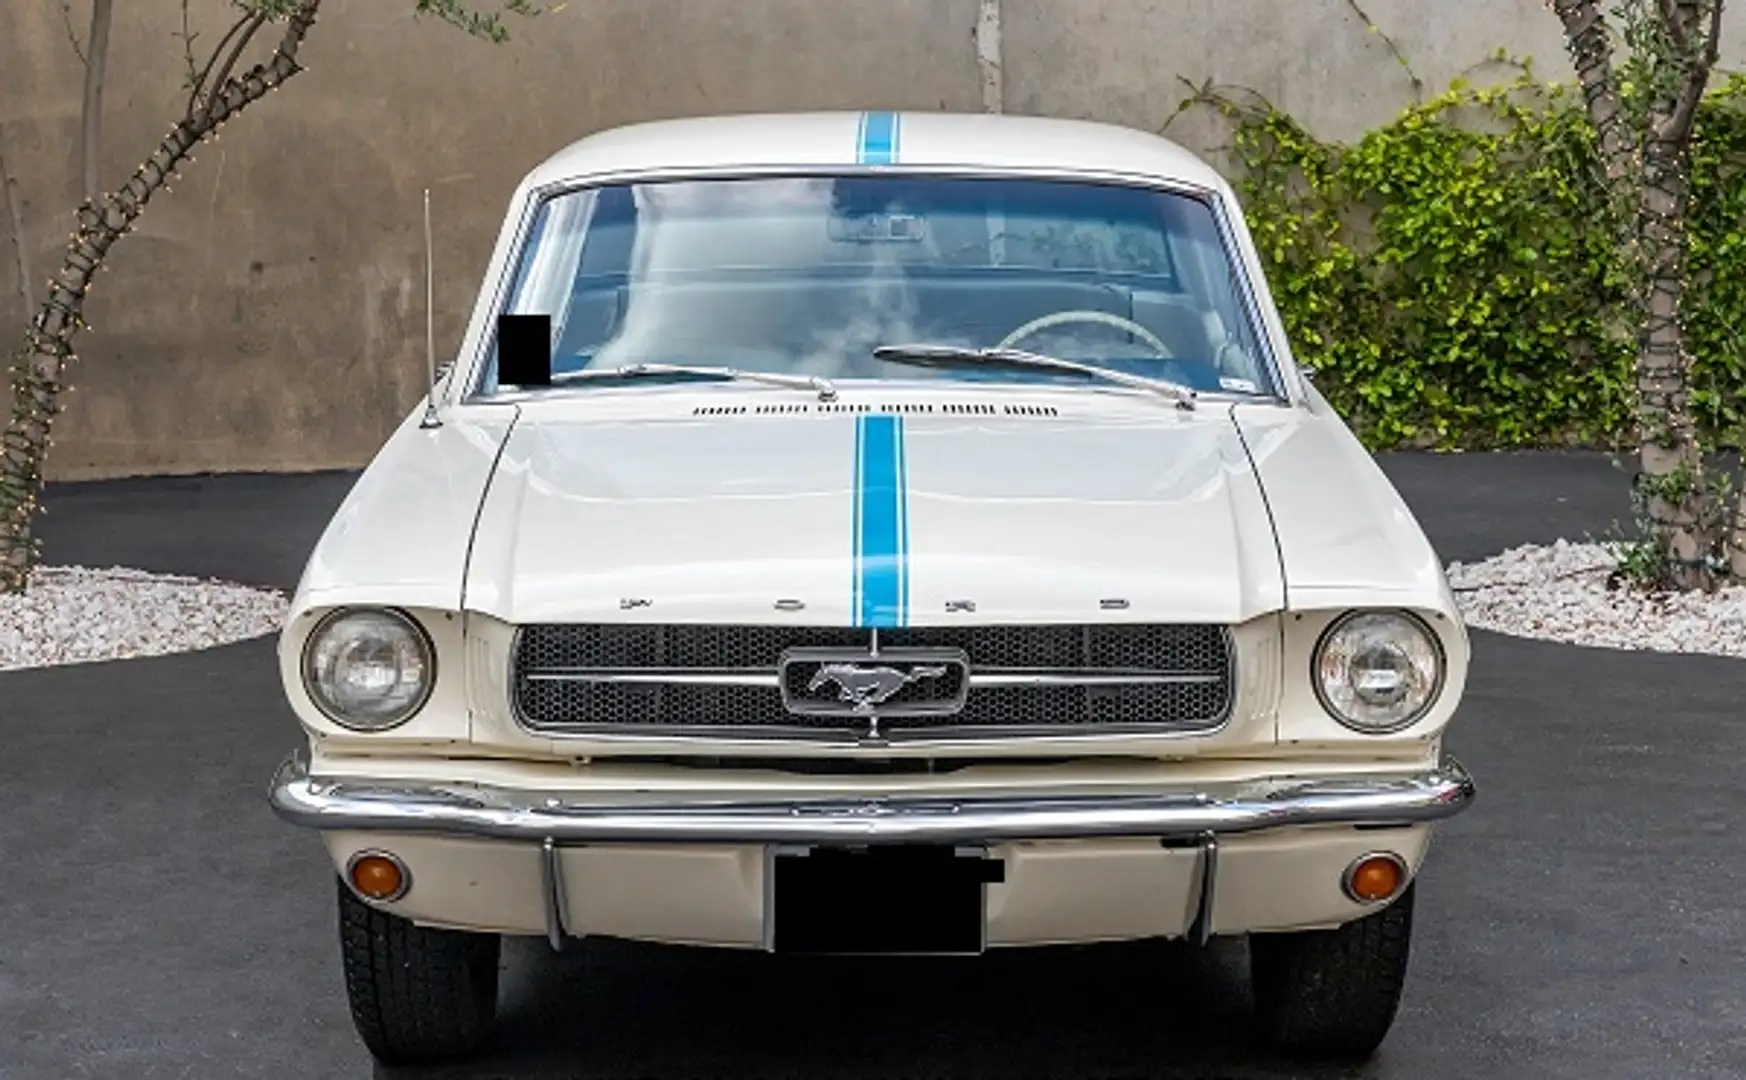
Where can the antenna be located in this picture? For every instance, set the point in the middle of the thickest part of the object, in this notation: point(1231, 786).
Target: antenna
point(430, 407)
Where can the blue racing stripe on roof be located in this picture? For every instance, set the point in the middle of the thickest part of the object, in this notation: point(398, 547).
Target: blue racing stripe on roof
point(878, 138)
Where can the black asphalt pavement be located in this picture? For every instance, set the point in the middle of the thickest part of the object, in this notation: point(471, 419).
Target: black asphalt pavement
point(1586, 920)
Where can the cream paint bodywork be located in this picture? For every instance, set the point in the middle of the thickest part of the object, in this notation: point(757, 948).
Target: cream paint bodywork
point(713, 502)
point(1055, 892)
point(714, 519)
point(400, 536)
point(1244, 515)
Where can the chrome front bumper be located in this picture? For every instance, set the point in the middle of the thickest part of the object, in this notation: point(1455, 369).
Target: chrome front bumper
point(540, 817)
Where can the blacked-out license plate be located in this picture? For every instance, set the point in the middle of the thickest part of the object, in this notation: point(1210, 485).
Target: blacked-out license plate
point(879, 900)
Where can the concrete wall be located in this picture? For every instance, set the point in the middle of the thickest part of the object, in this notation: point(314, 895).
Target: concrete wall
point(267, 314)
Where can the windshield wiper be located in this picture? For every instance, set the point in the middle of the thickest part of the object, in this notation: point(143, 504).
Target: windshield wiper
point(820, 385)
point(956, 355)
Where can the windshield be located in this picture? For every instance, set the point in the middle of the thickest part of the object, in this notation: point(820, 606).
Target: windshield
point(808, 275)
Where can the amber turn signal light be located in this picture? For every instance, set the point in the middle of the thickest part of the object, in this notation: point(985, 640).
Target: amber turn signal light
point(378, 876)
point(1375, 878)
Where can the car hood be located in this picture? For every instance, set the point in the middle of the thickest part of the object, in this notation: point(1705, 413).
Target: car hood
point(1346, 537)
point(839, 517)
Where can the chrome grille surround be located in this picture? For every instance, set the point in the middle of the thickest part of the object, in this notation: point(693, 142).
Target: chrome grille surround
point(725, 680)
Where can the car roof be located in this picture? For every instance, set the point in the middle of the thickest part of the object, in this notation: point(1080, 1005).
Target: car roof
point(836, 140)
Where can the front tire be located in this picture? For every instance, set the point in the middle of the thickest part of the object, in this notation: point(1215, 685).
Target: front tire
point(418, 995)
point(1333, 993)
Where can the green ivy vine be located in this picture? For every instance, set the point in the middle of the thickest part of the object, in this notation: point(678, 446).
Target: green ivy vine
point(1449, 277)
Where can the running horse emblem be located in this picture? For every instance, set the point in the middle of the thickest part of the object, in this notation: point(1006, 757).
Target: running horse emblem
point(866, 687)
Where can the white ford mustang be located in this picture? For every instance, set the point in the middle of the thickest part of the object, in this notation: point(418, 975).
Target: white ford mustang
point(873, 533)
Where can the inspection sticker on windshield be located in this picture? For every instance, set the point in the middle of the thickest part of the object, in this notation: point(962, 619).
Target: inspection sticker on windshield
point(1242, 386)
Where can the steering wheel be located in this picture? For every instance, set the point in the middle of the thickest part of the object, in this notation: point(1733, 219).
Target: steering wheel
point(1088, 316)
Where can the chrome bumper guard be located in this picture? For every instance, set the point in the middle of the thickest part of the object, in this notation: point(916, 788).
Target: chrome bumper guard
point(545, 818)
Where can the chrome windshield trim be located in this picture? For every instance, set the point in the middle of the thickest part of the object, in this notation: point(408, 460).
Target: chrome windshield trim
point(1222, 212)
point(466, 388)
point(847, 389)
point(535, 816)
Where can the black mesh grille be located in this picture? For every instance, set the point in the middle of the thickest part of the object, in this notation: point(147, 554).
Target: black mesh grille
point(1200, 650)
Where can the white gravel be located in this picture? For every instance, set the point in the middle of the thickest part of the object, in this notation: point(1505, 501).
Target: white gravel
point(1558, 592)
point(75, 615)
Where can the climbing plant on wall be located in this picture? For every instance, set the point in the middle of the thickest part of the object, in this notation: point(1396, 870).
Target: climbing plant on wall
point(1450, 275)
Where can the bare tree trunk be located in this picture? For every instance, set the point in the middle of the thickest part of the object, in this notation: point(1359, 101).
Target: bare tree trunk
point(91, 119)
point(37, 368)
point(15, 227)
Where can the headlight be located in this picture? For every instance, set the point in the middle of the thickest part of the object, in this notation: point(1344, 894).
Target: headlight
point(368, 669)
point(1378, 671)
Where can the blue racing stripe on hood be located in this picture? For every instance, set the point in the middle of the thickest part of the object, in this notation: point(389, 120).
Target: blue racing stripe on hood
point(878, 138)
point(881, 529)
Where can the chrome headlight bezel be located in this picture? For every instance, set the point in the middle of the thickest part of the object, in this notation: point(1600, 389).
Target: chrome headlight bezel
point(419, 637)
point(1412, 623)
